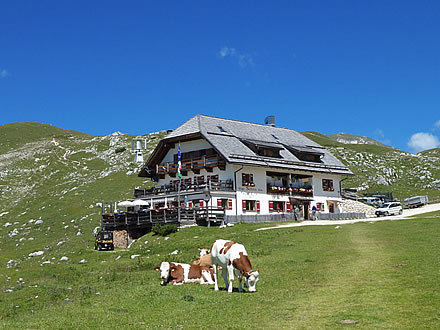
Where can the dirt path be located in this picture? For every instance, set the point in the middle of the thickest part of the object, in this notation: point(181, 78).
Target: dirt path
point(406, 213)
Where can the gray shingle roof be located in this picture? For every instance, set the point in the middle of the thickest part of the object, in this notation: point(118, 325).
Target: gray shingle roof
point(227, 137)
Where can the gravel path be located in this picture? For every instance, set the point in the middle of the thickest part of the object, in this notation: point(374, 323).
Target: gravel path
point(406, 213)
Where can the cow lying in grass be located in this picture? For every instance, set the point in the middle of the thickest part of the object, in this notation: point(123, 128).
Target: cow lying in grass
point(233, 259)
point(204, 259)
point(178, 273)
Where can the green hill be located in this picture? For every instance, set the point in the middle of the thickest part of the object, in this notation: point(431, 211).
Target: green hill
point(16, 135)
point(379, 168)
point(51, 181)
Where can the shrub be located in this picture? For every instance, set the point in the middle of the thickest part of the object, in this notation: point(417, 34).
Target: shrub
point(164, 230)
point(120, 149)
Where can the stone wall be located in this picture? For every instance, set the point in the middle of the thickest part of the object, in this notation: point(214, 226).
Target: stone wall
point(349, 205)
point(120, 238)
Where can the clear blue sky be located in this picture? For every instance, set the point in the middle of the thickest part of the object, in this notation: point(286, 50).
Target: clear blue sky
point(370, 68)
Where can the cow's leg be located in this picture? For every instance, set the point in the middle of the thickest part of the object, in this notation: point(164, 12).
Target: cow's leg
point(207, 277)
point(231, 277)
point(240, 288)
point(225, 278)
point(214, 268)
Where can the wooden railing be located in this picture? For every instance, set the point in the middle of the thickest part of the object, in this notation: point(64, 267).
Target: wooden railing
point(204, 162)
point(222, 185)
point(164, 216)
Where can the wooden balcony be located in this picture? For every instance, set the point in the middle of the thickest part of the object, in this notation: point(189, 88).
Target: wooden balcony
point(195, 165)
point(290, 191)
point(222, 185)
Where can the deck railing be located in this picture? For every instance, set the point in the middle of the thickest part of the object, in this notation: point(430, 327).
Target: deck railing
point(193, 164)
point(149, 218)
point(222, 185)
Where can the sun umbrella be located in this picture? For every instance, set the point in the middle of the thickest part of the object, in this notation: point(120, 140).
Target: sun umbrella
point(140, 202)
point(126, 204)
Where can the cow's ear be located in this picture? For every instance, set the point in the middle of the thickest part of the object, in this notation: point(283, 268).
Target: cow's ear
point(156, 268)
point(172, 268)
point(258, 270)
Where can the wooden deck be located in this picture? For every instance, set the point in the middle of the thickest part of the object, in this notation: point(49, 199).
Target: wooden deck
point(144, 220)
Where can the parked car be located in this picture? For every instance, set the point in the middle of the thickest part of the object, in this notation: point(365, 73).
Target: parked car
point(389, 208)
point(104, 240)
point(416, 201)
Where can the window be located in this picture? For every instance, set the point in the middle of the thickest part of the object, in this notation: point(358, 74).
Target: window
point(224, 203)
point(199, 179)
point(251, 206)
point(306, 154)
point(212, 178)
point(221, 129)
point(320, 206)
point(268, 152)
point(247, 180)
point(327, 185)
point(277, 206)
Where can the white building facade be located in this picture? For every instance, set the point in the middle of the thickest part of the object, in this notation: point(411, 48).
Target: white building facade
point(247, 169)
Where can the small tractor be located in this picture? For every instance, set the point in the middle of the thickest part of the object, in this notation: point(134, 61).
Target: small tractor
point(104, 240)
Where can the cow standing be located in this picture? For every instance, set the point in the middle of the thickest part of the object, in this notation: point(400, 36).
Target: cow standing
point(178, 273)
point(233, 259)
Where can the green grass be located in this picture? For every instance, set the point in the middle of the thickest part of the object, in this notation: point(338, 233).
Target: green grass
point(381, 275)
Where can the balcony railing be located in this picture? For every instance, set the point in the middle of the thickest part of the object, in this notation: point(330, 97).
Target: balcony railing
point(222, 185)
point(194, 164)
point(306, 191)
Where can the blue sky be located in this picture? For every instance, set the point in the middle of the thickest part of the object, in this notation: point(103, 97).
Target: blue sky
point(370, 68)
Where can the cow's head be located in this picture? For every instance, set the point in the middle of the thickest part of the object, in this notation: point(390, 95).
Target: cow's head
point(203, 252)
point(164, 272)
point(252, 279)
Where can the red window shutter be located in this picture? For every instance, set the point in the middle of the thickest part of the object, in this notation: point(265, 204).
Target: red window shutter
point(244, 206)
point(190, 204)
point(219, 202)
point(270, 206)
point(258, 206)
point(288, 207)
point(230, 204)
point(201, 203)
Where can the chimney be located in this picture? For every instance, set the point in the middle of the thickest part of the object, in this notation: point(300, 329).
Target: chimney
point(270, 121)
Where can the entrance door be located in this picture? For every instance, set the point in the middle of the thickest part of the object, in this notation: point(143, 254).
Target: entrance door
point(306, 208)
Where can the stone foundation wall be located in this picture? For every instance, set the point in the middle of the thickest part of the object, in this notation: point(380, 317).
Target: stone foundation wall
point(120, 238)
point(349, 205)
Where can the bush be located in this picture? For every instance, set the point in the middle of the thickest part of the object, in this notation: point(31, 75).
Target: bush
point(120, 149)
point(164, 230)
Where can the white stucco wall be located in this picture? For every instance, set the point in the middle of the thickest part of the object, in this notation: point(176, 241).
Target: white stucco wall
point(259, 191)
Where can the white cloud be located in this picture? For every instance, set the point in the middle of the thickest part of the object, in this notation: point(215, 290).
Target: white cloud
point(423, 141)
point(243, 59)
point(4, 73)
point(437, 124)
point(227, 51)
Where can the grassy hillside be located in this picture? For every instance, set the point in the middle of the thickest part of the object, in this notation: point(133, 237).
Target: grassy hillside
point(56, 178)
point(381, 275)
point(380, 168)
point(16, 135)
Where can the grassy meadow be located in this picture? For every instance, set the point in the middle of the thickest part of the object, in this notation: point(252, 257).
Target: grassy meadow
point(366, 275)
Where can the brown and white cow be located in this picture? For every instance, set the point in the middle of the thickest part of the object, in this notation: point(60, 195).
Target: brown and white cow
point(203, 261)
point(233, 259)
point(178, 273)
